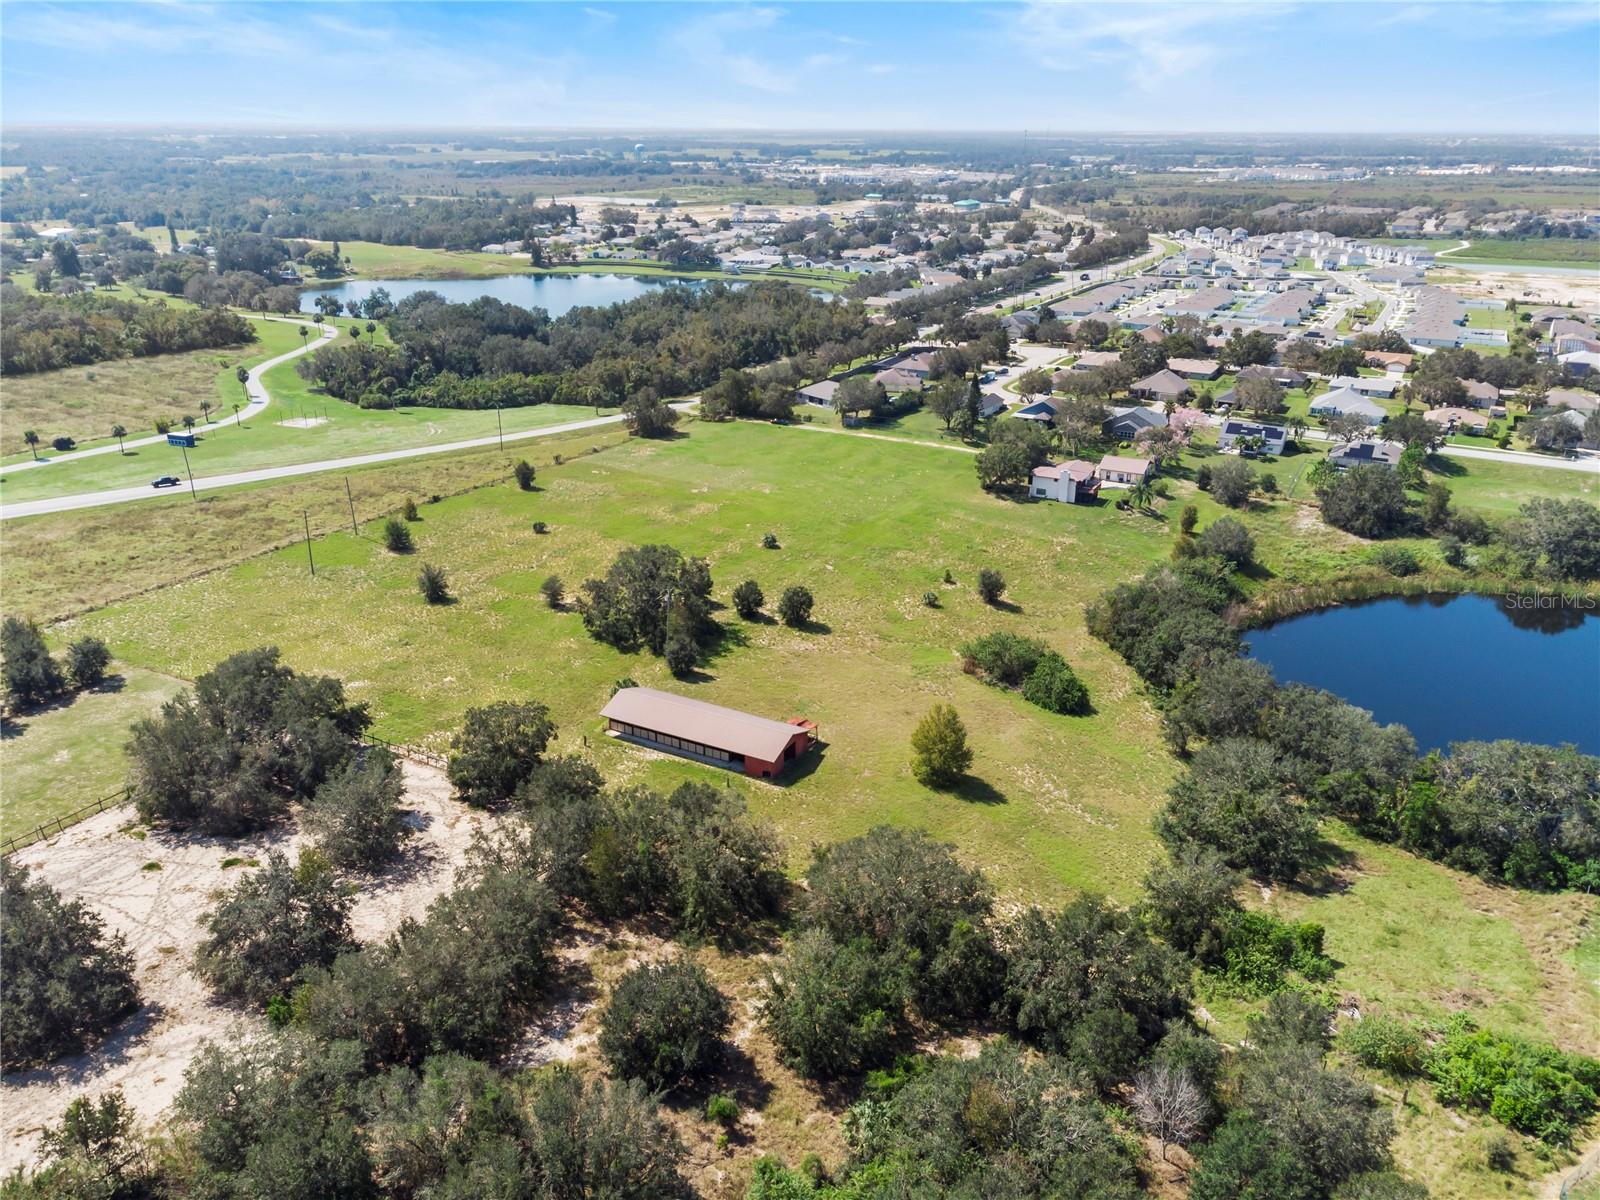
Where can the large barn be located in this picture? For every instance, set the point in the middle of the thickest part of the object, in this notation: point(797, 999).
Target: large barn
point(708, 733)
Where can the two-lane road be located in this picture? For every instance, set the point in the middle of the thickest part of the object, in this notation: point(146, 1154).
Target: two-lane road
point(34, 508)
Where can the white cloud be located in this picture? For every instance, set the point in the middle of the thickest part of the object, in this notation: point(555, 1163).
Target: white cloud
point(600, 16)
point(1153, 44)
point(716, 43)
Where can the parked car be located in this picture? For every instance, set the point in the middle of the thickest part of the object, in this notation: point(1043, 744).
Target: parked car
point(165, 481)
point(1084, 276)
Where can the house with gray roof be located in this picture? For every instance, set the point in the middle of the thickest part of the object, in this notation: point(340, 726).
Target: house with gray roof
point(1367, 452)
point(1343, 403)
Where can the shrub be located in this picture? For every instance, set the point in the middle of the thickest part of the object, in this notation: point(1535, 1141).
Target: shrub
point(409, 510)
point(1258, 951)
point(831, 1009)
point(1368, 500)
point(356, 814)
point(930, 599)
point(87, 660)
point(252, 736)
point(748, 599)
point(912, 899)
point(62, 443)
point(1054, 687)
point(552, 589)
point(433, 584)
point(724, 1110)
point(540, 527)
point(1268, 483)
point(794, 606)
point(1228, 539)
point(1385, 1044)
point(991, 585)
point(1292, 1021)
point(1232, 482)
point(1004, 659)
point(1453, 550)
point(1530, 1086)
point(31, 675)
point(65, 981)
point(1088, 983)
point(524, 474)
point(1202, 477)
point(1232, 799)
point(1399, 561)
point(664, 1025)
point(939, 752)
point(496, 750)
point(270, 925)
point(769, 541)
point(397, 536)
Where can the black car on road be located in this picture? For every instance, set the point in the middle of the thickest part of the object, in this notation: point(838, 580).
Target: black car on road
point(165, 481)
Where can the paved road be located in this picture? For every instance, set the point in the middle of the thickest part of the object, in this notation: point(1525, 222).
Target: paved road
point(1587, 460)
point(34, 508)
point(254, 388)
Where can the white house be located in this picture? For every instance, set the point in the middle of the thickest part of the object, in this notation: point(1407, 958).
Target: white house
point(1344, 402)
point(1273, 437)
point(1114, 468)
point(1069, 482)
point(1366, 385)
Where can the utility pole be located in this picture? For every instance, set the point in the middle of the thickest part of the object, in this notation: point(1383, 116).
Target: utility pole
point(305, 516)
point(188, 472)
point(499, 427)
point(352, 501)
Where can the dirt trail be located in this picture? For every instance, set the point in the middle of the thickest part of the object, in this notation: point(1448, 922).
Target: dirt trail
point(105, 862)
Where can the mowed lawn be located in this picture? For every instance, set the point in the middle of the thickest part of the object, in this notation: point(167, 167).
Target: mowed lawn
point(61, 758)
point(85, 402)
point(1055, 803)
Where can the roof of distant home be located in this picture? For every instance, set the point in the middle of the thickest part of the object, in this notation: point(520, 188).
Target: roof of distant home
point(1164, 382)
point(696, 721)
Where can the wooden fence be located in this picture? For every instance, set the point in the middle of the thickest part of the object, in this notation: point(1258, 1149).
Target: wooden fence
point(52, 827)
point(55, 825)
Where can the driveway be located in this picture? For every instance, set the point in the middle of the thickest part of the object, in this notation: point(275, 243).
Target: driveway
point(254, 389)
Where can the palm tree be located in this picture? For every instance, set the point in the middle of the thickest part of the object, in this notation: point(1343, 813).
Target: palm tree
point(243, 375)
point(118, 432)
point(205, 411)
point(236, 416)
point(1141, 494)
point(304, 334)
point(32, 439)
point(188, 421)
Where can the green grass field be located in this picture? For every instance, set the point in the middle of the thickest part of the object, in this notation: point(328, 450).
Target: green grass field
point(869, 521)
point(62, 758)
point(1058, 803)
point(1545, 252)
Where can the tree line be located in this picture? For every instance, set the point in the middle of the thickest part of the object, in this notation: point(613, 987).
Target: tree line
point(43, 333)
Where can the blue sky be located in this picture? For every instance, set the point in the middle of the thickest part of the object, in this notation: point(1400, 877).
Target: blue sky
point(1249, 66)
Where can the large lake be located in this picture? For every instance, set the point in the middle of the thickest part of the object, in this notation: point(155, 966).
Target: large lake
point(1450, 668)
point(555, 294)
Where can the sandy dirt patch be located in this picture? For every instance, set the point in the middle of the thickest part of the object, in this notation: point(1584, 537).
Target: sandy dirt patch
point(303, 422)
point(153, 888)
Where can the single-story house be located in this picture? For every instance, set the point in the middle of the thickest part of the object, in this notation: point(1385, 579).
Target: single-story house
point(1480, 394)
point(897, 380)
point(1273, 437)
point(991, 404)
point(820, 394)
point(1287, 376)
point(1163, 385)
point(708, 733)
point(1125, 424)
point(1040, 410)
point(1464, 420)
point(1069, 482)
point(1091, 360)
point(1389, 358)
point(1020, 324)
point(1579, 423)
point(1572, 398)
point(1114, 468)
point(1344, 402)
point(1367, 385)
point(1195, 368)
point(1367, 452)
point(1581, 362)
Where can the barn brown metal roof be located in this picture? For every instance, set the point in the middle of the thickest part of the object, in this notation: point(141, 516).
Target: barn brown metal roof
point(696, 721)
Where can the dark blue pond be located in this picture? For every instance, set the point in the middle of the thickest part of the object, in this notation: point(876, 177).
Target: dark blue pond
point(1451, 668)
